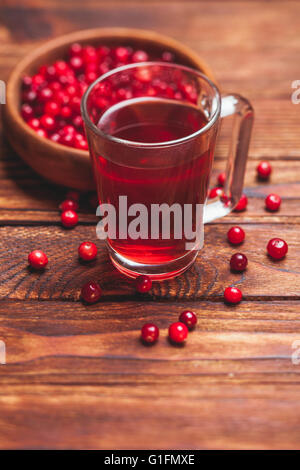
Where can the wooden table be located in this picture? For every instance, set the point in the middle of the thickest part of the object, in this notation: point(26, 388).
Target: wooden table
point(77, 376)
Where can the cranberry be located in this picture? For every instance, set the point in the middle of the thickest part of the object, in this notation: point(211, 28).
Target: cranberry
point(91, 292)
point(37, 81)
point(149, 333)
point(52, 108)
point(189, 318)
point(140, 56)
point(75, 49)
point(34, 123)
point(41, 132)
point(48, 122)
point(55, 86)
point(122, 54)
point(37, 259)
point(78, 122)
point(67, 139)
point(87, 251)
point(103, 51)
point(89, 54)
point(26, 111)
point(81, 145)
point(55, 137)
point(30, 96)
point(236, 235)
point(221, 179)
point(264, 170)
point(178, 332)
point(215, 192)
point(273, 202)
point(26, 82)
point(69, 218)
point(277, 248)
point(238, 262)
point(143, 284)
point(50, 74)
point(76, 63)
point(68, 204)
point(75, 104)
point(242, 204)
point(61, 68)
point(66, 112)
point(168, 56)
point(45, 95)
point(232, 295)
point(90, 77)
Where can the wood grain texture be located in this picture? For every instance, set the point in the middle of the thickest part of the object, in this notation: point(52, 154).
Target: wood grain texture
point(77, 376)
point(207, 278)
point(100, 376)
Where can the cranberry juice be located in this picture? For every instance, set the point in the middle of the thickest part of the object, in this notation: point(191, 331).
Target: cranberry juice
point(157, 174)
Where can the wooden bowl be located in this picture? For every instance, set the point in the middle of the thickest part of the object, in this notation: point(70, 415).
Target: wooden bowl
point(60, 164)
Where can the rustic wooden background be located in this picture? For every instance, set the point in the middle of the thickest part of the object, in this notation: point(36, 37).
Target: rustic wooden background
point(77, 376)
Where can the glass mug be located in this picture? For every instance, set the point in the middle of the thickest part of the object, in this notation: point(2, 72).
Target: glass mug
point(151, 129)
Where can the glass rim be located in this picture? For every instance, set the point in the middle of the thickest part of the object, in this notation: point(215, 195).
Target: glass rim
point(132, 143)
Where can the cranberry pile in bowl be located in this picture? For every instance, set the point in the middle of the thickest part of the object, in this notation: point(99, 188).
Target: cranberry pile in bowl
point(42, 115)
point(51, 97)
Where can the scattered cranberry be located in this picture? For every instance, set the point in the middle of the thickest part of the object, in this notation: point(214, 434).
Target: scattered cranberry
point(91, 292)
point(69, 218)
point(149, 333)
point(87, 251)
point(273, 202)
point(264, 170)
point(238, 262)
point(37, 259)
point(277, 248)
point(69, 204)
point(189, 318)
point(143, 284)
point(215, 192)
point(232, 295)
point(178, 332)
point(242, 204)
point(236, 235)
point(222, 179)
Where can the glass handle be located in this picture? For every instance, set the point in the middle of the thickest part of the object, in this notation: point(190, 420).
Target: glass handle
point(238, 151)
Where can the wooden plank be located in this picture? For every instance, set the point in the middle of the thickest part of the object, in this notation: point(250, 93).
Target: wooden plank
point(233, 385)
point(219, 416)
point(207, 278)
point(23, 346)
point(246, 40)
